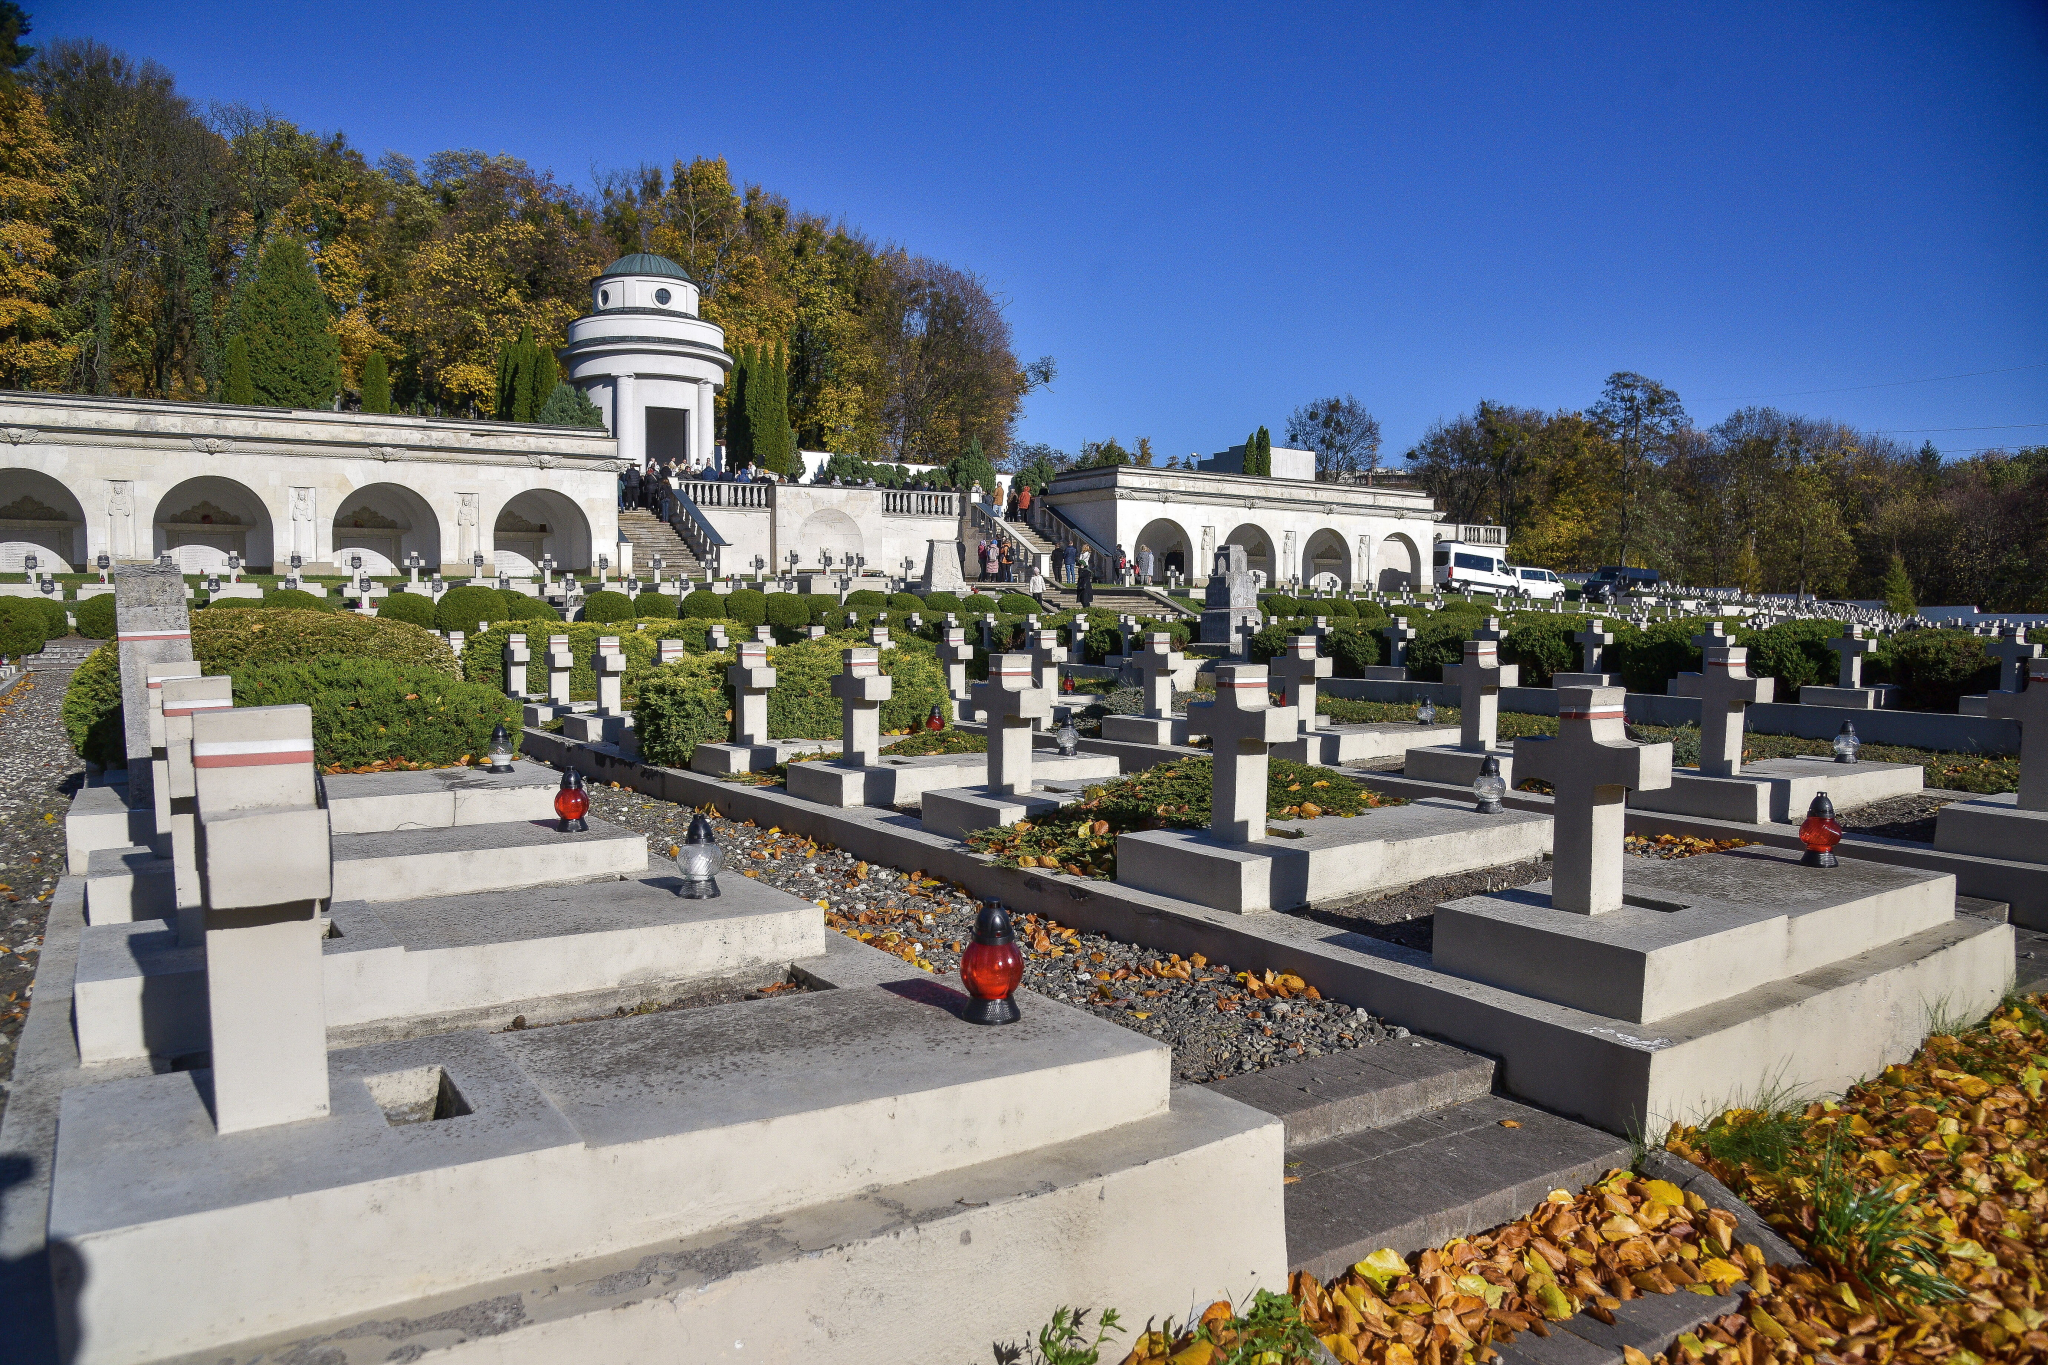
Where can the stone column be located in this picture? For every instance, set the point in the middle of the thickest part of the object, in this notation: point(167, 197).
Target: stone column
point(1592, 766)
point(1241, 722)
point(184, 698)
point(1012, 704)
point(560, 662)
point(517, 657)
point(752, 680)
point(861, 690)
point(150, 627)
point(265, 871)
point(609, 664)
point(629, 422)
point(1297, 671)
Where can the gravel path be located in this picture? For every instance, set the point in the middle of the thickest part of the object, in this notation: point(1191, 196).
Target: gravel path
point(1408, 916)
point(38, 774)
point(1217, 1023)
point(1902, 817)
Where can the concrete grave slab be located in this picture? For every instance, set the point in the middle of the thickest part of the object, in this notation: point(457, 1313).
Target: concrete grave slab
point(1339, 745)
point(1993, 826)
point(1779, 790)
point(127, 884)
point(404, 864)
point(440, 798)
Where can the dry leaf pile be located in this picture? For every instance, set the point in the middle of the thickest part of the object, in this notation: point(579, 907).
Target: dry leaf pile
point(1679, 845)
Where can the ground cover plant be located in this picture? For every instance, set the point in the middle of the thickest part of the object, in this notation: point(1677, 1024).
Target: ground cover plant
point(1080, 839)
point(373, 716)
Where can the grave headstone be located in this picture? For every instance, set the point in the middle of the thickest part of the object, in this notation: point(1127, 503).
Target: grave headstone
point(1230, 603)
point(1241, 723)
point(955, 654)
point(1725, 689)
point(1591, 765)
point(517, 657)
point(561, 662)
point(1297, 672)
point(151, 626)
point(160, 797)
point(1012, 703)
point(609, 663)
point(752, 680)
point(861, 689)
point(2014, 655)
point(1593, 642)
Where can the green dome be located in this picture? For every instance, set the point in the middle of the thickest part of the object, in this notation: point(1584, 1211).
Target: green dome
point(645, 263)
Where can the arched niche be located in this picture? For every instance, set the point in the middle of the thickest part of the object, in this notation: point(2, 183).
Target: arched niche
point(1258, 550)
point(829, 534)
point(1400, 563)
point(40, 517)
point(539, 522)
point(1173, 549)
point(1326, 561)
point(201, 521)
point(384, 522)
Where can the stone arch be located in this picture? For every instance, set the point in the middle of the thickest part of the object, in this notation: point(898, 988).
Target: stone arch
point(1258, 550)
point(39, 516)
point(385, 522)
point(1326, 561)
point(1400, 563)
point(539, 522)
point(201, 521)
point(1171, 546)
point(828, 531)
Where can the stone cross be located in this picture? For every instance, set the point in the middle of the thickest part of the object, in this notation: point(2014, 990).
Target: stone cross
point(609, 663)
point(1319, 627)
point(752, 680)
point(1851, 646)
point(1593, 642)
point(1398, 635)
point(815, 632)
point(2028, 710)
point(1724, 688)
point(151, 626)
point(517, 657)
point(457, 639)
point(1297, 671)
point(2014, 655)
point(764, 635)
point(1156, 665)
point(1046, 657)
point(716, 638)
point(1240, 723)
point(160, 795)
point(667, 652)
point(988, 632)
point(916, 622)
point(955, 653)
point(1715, 636)
point(1011, 703)
point(1490, 630)
point(182, 699)
point(879, 638)
point(1591, 766)
point(1478, 679)
point(1126, 627)
point(265, 871)
point(861, 690)
point(560, 662)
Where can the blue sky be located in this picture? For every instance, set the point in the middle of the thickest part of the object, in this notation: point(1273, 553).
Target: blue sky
point(1209, 214)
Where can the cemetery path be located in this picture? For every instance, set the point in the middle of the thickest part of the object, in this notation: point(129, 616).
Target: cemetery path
point(38, 774)
point(1217, 1025)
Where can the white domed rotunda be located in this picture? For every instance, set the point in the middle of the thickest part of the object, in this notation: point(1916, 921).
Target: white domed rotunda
point(648, 361)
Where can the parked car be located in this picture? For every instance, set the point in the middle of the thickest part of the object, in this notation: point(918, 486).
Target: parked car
point(1540, 585)
point(1458, 567)
point(1614, 582)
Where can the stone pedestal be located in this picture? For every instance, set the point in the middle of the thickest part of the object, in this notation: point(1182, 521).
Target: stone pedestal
point(1994, 826)
point(1849, 698)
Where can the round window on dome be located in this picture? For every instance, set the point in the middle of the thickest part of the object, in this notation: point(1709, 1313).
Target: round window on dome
point(604, 296)
point(661, 296)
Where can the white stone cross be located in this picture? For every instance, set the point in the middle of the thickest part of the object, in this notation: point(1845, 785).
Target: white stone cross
point(155, 676)
point(879, 638)
point(1011, 703)
point(1593, 642)
point(955, 653)
point(1240, 723)
point(1724, 688)
point(265, 870)
point(1490, 629)
point(1591, 767)
point(1851, 646)
point(184, 698)
point(1157, 663)
point(752, 680)
point(1398, 635)
point(861, 690)
point(764, 634)
point(667, 652)
point(1046, 656)
point(1478, 679)
point(1297, 672)
point(517, 657)
point(716, 637)
point(2028, 710)
point(2014, 655)
point(609, 663)
point(560, 662)
point(815, 632)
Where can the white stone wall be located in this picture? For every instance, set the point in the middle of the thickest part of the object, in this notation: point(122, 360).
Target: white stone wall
point(134, 478)
point(885, 528)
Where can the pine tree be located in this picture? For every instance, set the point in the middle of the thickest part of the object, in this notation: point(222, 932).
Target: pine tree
point(1265, 452)
point(739, 439)
point(235, 385)
point(376, 383)
point(768, 418)
point(569, 406)
point(542, 374)
point(294, 361)
point(527, 375)
point(1898, 589)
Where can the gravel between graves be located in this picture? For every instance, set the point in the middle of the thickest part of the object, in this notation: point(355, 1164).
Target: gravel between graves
point(38, 774)
point(1217, 1025)
point(1408, 916)
point(1902, 817)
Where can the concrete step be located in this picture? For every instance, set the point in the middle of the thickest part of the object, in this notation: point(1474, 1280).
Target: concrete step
point(1325, 1098)
point(368, 803)
point(408, 864)
point(1649, 1323)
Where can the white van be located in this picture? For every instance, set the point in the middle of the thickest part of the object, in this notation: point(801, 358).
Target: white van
point(1458, 567)
point(1540, 585)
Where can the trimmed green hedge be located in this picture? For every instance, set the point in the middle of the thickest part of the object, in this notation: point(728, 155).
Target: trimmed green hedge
point(654, 606)
point(865, 600)
point(1016, 604)
point(520, 607)
point(1937, 667)
point(1354, 648)
point(297, 599)
point(703, 604)
point(369, 711)
point(96, 617)
point(940, 603)
point(788, 610)
point(465, 608)
point(688, 703)
point(606, 605)
point(748, 606)
point(24, 628)
point(92, 707)
point(414, 607)
point(224, 642)
point(905, 601)
point(1793, 652)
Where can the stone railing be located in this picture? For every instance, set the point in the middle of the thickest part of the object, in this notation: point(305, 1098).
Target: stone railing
point(706, 494)
point(912, 502)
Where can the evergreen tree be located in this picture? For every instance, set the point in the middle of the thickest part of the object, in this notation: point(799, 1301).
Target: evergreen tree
point(294, 361)
point(569, 406)
point(1898, 589)
point(1258, 453)
point(235, 386)
point(739, 436)
point(527, 375)
point(768, 414)
point(198, 272)
point(971, 468)
point(542, 374)
point(376, 383)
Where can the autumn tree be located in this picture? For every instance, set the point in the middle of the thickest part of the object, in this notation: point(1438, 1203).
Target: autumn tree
point(1640, 416)
point(32, 181)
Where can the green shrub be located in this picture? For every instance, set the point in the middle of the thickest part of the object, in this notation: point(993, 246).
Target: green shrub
point(415, 607)
point(1793, 652)
point(232, 604)
point(824, 608)
point(939, 603)
point(1439, 640)
point(789, 610)
point(1937, 667)
point(680, 707)
point(224, 642)
point(297, 599)
point(96, 617)
point(56, 615)
point(1338, 608)
point(520, 607)
point(92, 707)
point(703, 604)
point(1280, 604)
point(465, 608)
point(1543, 646)
point(606, 605)
point(654, 606)
point(905, 601)
point(369, 711)
point(865, 600)
point(483, 656)
point(1016, 604)
point(1353, 648)
point(1648, 659)
point(23, 628)
point(748, 606)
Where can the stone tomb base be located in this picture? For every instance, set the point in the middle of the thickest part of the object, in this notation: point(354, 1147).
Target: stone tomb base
point(1851, 698)
point(1310, 862)
point(1337, 745)
point(1780, 789)
point(1990, 827)
point(1722, 976)
point(1452, 764)
point(534, 715)
point(716, 760)
point(596, 728)
point(954, 811)
point(1146, 729)
point(901, 782)
point(751, 1150)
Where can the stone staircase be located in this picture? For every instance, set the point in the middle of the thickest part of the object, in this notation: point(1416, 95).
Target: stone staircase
point(1121, 600)
point(651, 536)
